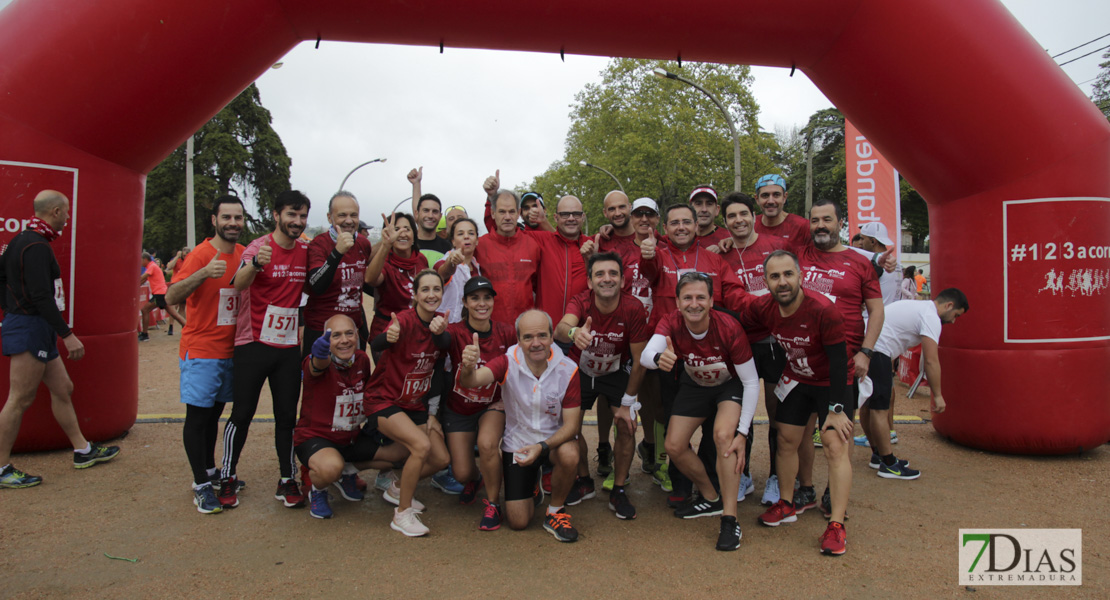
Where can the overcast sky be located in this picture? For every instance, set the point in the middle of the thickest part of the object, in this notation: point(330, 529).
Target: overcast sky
point(464, 113)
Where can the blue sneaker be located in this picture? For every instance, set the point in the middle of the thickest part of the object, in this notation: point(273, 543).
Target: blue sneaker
point(445, 482)
point(861, 440)
point(893, 437)
point(204, 497)
point(318, 504)
point(348, 488)
point(12, 477)
point(747, 486)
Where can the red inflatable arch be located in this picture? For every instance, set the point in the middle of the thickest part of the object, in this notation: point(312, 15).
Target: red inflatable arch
point(1011, 155)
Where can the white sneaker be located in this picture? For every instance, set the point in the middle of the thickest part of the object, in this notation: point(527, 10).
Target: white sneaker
point(747, 486)
point(392, 495)
point(408, 522)
point(386, 479)
point(770, 491)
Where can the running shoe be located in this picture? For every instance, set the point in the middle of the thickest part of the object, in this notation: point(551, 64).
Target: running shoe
point(647, 458)
point(729, 538)
point(770, 491)
point(604, 459)
point(408, 522)
point(13, 478)
point(229, 493)
point(385, 479)
point(609, 482)
point(826, 506)
point(662, 478)
point(747, 486)
point(834, 539)
point(318, 504)
point(204, 497)
point(621, 505)
point(491, 517)
point(392, 495)
point(144, 337)
point(537, 497)
point(817, 439)
point(306, 479)
point(545, 480)
point(893, 437)
point(583, 489)
point(779, 513)
point(445, 482)
point(348, 489)
point(861, 440)
point(877, 460)
point(558, 525)
point(170, 332)
point(215, 479)
point(470, 491)
point(360, 484)
point(898, 470)
point(97, 454)
point(804, 499)
point(289, 493)
point(700, 507)
point(678, 500)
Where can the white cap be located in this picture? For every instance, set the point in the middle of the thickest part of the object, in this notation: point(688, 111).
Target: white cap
point(645, 203)
point(876, 230)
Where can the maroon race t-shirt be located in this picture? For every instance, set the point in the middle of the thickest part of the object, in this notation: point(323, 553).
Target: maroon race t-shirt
point(670, 263)
point(332, 402)
point(795, 230)
point(803, 335)
point(491, 344)
point(395, 291)
point(711, 360)
point(847, 279)
point(268, 307)
point(344, 295)
point(747, 263)
point(634, 281)
point(613, 333)
point(404, 372)
point(713, 238)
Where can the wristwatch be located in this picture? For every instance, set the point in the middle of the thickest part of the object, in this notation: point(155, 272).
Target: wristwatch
point(837, 408)
point(254, 263)
point(867, 352)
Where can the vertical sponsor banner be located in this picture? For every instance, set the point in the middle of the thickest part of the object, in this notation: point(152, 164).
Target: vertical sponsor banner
point(873, 193)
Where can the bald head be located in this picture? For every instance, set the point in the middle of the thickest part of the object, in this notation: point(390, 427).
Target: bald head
point(339, 322)
point(569, 217)
point(48, 200)
point(619, 211)
point(344, 336)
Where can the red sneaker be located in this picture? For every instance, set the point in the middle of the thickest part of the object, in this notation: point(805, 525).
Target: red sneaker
point(780, 512)
point(306, 481)
point(289, 494)
point(360, 484)
point(491, 517)
point(545, 482)
point(833, 540)
point(229, 493)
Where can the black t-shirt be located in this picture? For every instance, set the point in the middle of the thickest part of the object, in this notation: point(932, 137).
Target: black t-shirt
point(31, 280)
point(433, 249)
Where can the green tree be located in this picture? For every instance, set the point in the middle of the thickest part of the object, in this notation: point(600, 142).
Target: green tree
point(1101, 88)
point(660, 137)
point(236, 151)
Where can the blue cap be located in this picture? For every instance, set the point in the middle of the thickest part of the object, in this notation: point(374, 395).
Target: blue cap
point(770, 179)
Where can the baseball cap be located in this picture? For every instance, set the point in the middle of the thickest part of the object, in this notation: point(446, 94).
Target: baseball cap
point(770, 179)
point(530, 195)
point(878, 231)
point(703, 189)
point(647, 203)
point(478, 283)
point(362, 225)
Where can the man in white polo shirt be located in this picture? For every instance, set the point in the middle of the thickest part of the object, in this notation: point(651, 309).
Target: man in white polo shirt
point(907, 324)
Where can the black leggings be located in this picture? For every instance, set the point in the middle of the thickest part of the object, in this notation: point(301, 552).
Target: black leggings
point(254, 364)
point(199, 435)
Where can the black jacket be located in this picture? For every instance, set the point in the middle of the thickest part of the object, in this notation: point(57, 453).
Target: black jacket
point(30, 276)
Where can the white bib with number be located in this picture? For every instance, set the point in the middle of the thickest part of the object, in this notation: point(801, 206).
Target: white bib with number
point(596, 365)
point(709, 375)
point(348, 412)
point(229, 307)
point(785, 385)
point(415, 386)
point(59, 294)
point(279, 326)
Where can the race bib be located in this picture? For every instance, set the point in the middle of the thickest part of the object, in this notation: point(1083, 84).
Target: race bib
point(596, 365)
point(782, 390)
point(59, 295)
point(708, 375)
point(229, 307)
point(279, 326)
point(482, 395)
point(415, 386)
point(348, 412)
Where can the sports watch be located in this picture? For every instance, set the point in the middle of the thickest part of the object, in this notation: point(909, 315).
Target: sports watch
point(837, 408)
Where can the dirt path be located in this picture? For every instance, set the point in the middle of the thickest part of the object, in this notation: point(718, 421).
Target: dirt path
point(902, 536)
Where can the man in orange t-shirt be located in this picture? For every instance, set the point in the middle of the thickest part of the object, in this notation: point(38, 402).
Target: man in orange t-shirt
point(157, 280)
point(203, 281)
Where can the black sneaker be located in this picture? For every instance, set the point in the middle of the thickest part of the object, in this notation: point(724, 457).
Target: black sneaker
point(604, 460)
point(805, 498)
point(205, 500)
point(620, 504)
point(537, 497)
point(98, 454)
point(729, 538)
point(558, 524)
point(583, 490)
point(700, 507)
point(144, 337)
point(647, 458)
point(826, 506)
point(170, 331)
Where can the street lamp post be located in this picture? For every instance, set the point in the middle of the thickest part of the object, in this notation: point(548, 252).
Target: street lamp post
point(593, 166)
point(665, 74)
point(369, 162)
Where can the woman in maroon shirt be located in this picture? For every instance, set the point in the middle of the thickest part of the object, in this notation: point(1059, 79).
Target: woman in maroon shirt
point(392, 269)
point(396, 394)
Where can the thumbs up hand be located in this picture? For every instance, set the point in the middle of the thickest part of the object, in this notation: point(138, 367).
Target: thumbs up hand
point(584, 335)
point(393, 332)
point(216, 267)
point(647, 247)
point(492, 183)
point(668, 358)
point(471, 354)
point(321, 348)
point(265, 254)
point(439, 323)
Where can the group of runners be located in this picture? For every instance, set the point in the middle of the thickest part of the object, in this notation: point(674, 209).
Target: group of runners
point(485, 352)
